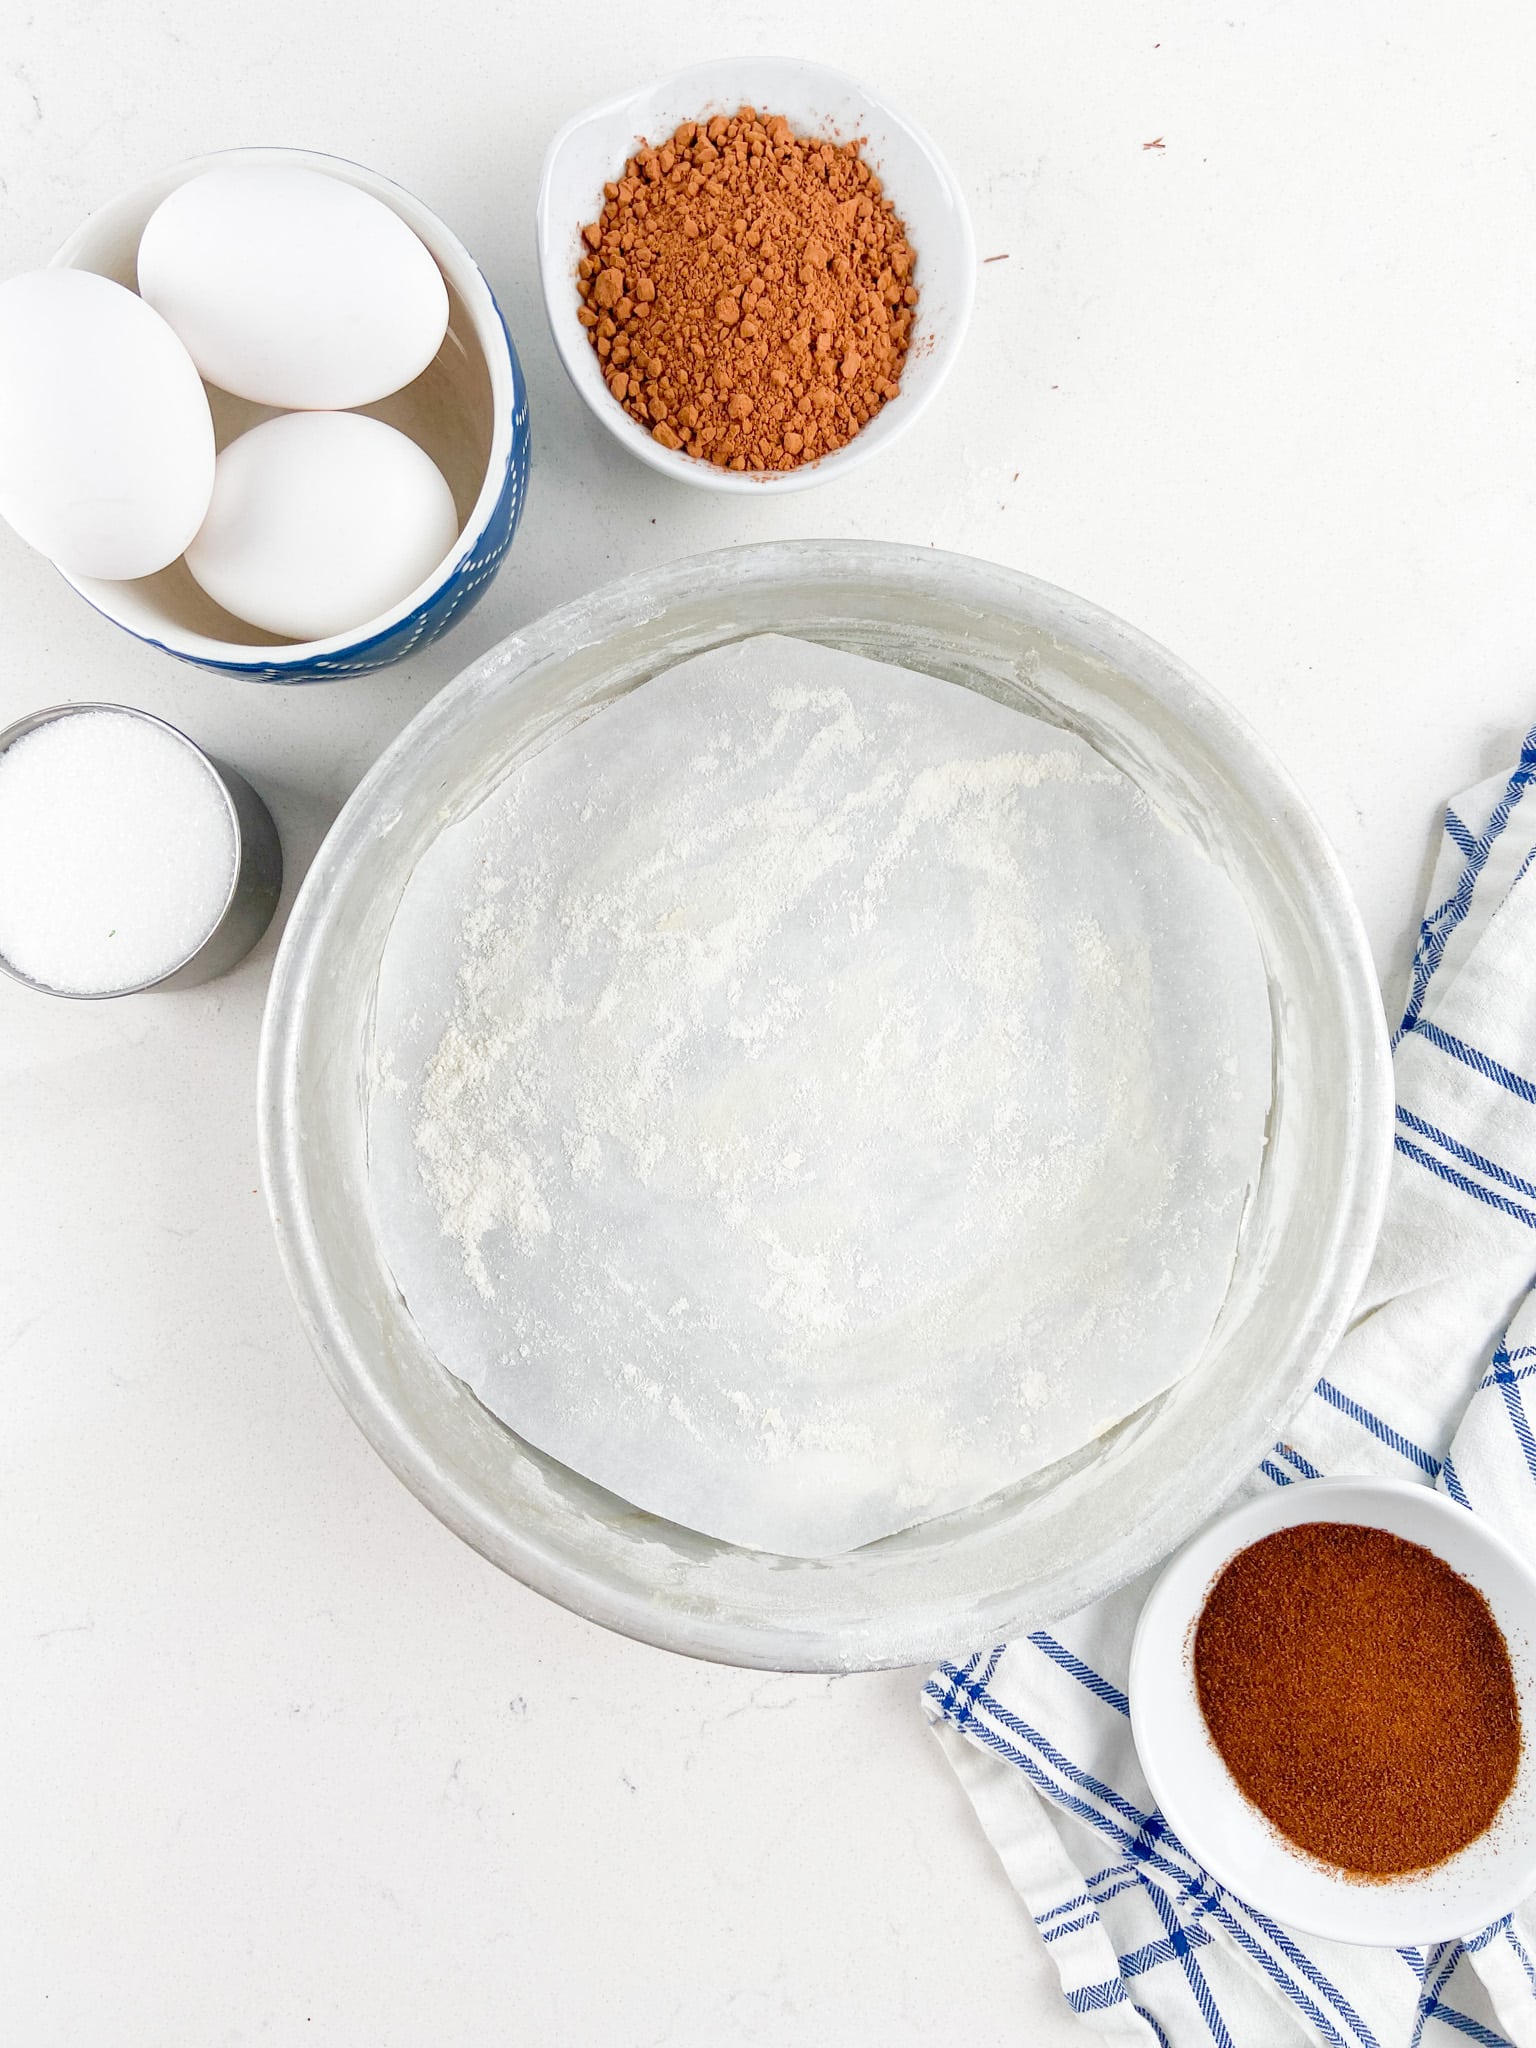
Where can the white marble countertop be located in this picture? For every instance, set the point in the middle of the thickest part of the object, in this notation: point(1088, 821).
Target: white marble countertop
point(281, 1761)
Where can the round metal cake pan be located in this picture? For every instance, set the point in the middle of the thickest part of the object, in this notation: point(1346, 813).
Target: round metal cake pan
point(1068, 1534)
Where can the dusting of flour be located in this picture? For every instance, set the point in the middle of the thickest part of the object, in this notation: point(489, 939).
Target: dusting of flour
point(819, 1096)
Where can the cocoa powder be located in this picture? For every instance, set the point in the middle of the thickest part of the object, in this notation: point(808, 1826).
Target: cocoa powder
point(749, 292)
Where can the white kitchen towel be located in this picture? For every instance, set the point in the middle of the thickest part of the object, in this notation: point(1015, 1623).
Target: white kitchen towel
point(1434, 1380)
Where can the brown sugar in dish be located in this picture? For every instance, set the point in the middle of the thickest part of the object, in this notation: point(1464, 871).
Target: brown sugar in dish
point(749, 292)
point(1361, 1695)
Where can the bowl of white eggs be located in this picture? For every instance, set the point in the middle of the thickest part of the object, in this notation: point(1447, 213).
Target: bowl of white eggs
point(263, 412)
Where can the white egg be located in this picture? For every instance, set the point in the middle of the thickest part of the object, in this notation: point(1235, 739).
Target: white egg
point(319, 522)
point(293, 288)
point(106, 443)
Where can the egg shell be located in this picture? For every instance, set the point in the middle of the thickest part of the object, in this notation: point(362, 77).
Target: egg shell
point(321, 521)
point(106, 442)
point(293, 288)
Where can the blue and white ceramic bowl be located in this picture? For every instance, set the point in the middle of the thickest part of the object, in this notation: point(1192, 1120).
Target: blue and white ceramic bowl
point(468, 409)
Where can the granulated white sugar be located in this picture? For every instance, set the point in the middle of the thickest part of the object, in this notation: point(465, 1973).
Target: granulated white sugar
point(812, 1096)
point(116, 852)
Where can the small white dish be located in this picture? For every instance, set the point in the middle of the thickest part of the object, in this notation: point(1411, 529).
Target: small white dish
point(1228, 1835)
point(592, 148)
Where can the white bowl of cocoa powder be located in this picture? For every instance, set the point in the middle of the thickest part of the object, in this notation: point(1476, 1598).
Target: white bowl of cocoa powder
point(757, 273)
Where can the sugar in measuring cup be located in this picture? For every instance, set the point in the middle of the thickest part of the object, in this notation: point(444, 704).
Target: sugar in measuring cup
point(130, 860)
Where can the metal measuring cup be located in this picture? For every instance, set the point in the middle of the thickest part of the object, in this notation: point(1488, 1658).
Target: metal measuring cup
point(254, 886)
